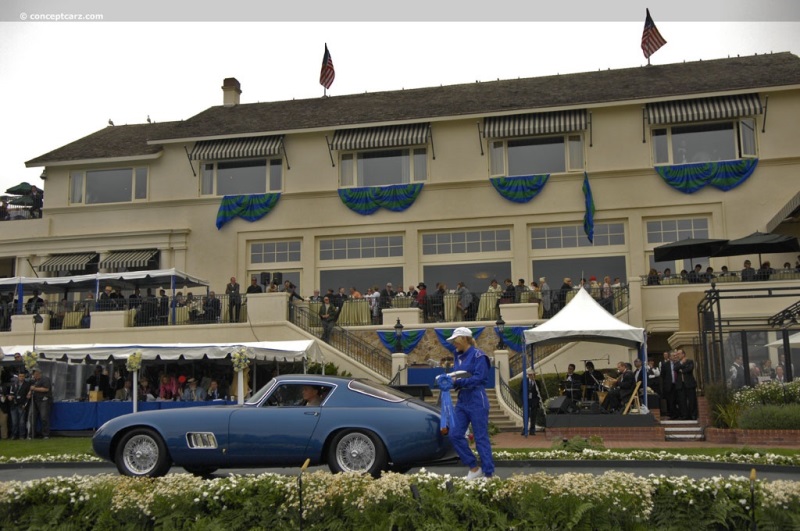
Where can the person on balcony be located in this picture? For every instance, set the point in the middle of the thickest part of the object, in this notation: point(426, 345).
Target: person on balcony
point(328, 313)
point(234, 300)
point(748, 273)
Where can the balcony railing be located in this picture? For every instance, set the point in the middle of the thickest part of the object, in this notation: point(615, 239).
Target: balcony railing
point(357, 349)
point(720, 277)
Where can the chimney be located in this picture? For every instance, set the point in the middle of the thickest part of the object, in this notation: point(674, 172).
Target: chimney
point(231, 89)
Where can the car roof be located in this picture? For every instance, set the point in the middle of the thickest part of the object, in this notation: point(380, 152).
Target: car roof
point(316, 377)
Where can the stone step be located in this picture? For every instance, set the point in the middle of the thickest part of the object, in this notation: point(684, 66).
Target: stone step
point(686, 429)
point(685, 437)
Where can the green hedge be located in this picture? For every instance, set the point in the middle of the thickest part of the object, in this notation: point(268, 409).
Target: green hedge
point(784, 417)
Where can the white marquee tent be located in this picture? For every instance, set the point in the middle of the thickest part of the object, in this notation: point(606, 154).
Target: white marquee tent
point(583, 319)
point(261, 350)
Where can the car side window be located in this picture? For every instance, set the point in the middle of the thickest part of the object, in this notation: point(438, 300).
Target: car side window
point(295, 394)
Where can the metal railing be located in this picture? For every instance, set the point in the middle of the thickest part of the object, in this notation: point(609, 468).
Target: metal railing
point(720, 277)
point(355, 348)
point(512, 399)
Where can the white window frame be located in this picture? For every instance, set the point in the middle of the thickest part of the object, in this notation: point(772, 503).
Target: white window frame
point(289, 243)
point(574, 157)
point(345, 243)
point(462, 243)
point(582, 241)
point(213, 165)
point(78, 180)
point(741, 127)
point(348, 165)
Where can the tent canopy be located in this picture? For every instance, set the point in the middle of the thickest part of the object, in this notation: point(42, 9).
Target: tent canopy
point(261, 350)
point(583, 319)
point(158, 278)
point(794, 340)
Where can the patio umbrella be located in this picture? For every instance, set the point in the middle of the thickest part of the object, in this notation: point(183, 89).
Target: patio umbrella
point(760, 243)
point(688, 248)
point(22, 188)
point(21, 200)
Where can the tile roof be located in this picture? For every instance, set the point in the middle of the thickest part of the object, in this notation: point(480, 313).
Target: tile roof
point(109, 142)
point(749, 73)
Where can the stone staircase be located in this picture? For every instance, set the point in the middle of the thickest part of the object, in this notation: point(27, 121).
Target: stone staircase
point(683, 430)
point(497, 416)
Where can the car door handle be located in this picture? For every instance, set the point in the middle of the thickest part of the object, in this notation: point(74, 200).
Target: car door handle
point(312, 413)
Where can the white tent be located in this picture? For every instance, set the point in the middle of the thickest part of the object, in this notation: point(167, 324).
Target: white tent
point(261, 350)
point(794, 339)
point(583, 319)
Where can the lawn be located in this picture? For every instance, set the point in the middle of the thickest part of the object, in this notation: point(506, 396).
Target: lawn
point(83, 445)
point(54, 445)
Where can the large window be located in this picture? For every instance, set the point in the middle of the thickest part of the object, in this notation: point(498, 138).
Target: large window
point(473, 241)
point(707, 142)
point(671, 230)
point(538, 155)
point(117, 185)
point(361, 247)
point(275, 252)
point(570, 236)
point(383, 167)
point(239, 177)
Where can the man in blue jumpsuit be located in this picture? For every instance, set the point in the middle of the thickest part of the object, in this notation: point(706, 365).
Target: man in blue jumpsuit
point(473, 404)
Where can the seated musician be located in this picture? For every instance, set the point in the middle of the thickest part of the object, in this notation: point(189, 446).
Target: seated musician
point(572, 383)
point(619, 395)
point(592, 381)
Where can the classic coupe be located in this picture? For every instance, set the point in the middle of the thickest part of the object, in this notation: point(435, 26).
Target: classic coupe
point(350, 424)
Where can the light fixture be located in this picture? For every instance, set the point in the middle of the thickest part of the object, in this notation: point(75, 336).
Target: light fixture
point(398, 336)
point(501, 326)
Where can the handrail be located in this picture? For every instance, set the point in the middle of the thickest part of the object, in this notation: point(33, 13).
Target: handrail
point(355, 348)
point(511, 398)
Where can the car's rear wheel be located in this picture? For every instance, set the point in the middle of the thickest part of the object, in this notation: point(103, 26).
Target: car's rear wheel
point(357, 451)
point(142, 452)
point(200, 471)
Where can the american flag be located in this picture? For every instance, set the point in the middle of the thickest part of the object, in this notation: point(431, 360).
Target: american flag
point(651, 38)
point(327, 73)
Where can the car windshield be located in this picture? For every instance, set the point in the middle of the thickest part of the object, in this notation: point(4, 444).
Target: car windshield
point(256, 398)
point(383, 392)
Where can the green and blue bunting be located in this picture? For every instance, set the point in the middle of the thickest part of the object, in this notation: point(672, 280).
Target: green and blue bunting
point(520, 189)
point(367, 200)
point(724, 175)
point(443, 333)
point(250, 207)
point(513, 337)
point(588, 218)
point(408, 340)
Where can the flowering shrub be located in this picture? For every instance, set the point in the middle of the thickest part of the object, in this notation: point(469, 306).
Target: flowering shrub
point(240, 360)
point(396, 501)
point(770, 393)
point(134, 362)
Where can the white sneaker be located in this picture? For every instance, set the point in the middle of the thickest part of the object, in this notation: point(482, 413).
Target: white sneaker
point(475, 475)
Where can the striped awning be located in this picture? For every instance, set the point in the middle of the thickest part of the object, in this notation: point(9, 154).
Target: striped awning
point(538, 123)
point(380, 137)
point(237, 148)
point(67, 262)
point(120, 259)
point(702, 109)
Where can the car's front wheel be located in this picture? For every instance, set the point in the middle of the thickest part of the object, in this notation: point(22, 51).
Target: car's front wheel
point(357, 451)
point(142, 452)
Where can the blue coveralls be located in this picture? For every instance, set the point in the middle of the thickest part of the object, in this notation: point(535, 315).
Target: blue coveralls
point(472, 408)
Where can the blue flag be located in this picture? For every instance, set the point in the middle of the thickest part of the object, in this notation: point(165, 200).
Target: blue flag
point(588, 218)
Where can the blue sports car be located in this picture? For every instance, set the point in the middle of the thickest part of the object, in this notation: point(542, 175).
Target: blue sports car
point(352, 424)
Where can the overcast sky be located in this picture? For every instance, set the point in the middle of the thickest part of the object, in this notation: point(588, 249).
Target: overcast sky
point(61, 81)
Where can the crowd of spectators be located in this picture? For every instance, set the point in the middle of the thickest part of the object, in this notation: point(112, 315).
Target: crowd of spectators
point(699, 275)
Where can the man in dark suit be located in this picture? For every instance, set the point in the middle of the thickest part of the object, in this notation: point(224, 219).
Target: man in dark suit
point(619, 395)
point(667, 386)
point(327, 316)
point(234, 300)
point(534, 401)
point(687, 388)
point(211, 308)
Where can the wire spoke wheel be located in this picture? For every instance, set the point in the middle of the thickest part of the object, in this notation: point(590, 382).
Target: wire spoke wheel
point(142, 453)
point(355, 452)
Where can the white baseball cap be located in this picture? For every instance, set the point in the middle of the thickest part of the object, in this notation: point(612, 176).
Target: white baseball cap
point(461, 331)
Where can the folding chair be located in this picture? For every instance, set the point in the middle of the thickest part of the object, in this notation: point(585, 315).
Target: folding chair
point(634, 398)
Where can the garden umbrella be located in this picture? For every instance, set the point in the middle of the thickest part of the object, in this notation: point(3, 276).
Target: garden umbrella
point(688, 248)
point(760, 243)
point(21, 200)
point(22, 188)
